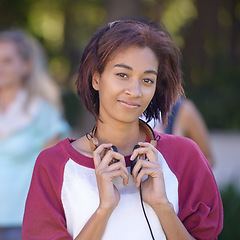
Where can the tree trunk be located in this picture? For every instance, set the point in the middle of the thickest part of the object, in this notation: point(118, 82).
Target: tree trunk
point(122, 9)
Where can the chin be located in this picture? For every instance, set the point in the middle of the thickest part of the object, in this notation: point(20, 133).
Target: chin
point(127, 119)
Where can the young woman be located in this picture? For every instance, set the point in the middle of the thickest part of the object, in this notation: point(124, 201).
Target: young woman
point(29, 122)
point(84, 189)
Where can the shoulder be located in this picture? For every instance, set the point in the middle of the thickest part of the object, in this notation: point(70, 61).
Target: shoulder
point(182, 155)
point(171, 145)
point(50, 118)
point(50, 166)
point(42, 111)
point(58, 155)
point(47, 107)
point(188, 104)
point(54, 156)
point(189, 111)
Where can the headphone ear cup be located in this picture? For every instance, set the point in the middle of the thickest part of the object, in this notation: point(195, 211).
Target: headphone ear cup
point(133, 163)
point(114, 160)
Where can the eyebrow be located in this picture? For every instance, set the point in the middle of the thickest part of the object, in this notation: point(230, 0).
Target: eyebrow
point(121, 65)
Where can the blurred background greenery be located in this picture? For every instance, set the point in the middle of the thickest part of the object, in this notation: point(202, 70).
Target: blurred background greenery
point(207, 32)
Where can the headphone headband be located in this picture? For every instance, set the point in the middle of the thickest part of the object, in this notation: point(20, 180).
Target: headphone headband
point(142, 125)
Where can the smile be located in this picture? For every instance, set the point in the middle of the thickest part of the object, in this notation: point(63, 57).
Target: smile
point(129, 104)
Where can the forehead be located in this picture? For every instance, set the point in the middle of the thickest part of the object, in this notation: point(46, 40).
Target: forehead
point(8, 47)
point(135, 57)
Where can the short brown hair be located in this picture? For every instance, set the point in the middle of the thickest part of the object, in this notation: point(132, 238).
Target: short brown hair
point(119, 35)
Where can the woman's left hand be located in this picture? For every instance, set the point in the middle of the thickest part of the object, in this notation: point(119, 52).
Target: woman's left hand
point(153, 188)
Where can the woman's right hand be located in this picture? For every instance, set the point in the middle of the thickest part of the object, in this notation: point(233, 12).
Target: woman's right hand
point(105, 173)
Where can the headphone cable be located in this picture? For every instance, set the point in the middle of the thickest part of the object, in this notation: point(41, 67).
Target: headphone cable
point(150, 229)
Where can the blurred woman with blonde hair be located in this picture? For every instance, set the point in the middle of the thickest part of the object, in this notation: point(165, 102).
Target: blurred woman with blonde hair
point(30, 120)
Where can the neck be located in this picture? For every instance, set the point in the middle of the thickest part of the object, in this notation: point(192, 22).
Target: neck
point(7, 96)
point(123, 135)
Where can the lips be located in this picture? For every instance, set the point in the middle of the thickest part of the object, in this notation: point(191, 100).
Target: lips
point(129, 104)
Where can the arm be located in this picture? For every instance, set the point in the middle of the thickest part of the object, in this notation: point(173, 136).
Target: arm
point(199, 200)
point(154, 193)
point(173, 227)
point(200, 214)
point(190, 123)
point(96, 225)
point(108, 193)
point(44, 216)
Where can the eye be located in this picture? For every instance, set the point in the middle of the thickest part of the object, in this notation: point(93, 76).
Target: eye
point(122, 75)
point(148, 81)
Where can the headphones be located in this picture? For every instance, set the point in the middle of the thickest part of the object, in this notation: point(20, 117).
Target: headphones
point(93, 141)
point(149, 132)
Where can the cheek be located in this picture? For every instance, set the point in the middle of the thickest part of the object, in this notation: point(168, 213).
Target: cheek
point(149, 93)
point(105, 93)
point(109, 87)
point(7, 71)
point(13, 74)
point(13, 68)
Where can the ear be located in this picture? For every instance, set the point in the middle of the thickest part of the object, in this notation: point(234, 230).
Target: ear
point(95, 80)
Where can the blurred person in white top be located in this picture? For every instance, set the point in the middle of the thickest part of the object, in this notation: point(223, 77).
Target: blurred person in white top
point(29, 105)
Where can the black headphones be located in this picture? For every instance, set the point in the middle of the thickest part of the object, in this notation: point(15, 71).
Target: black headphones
point(142, 125)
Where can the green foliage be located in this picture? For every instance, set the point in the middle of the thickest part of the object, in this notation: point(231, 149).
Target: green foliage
point(207, 32)
point(72, 107)
point(217, 96)
point(231, 205)
point(212, 63)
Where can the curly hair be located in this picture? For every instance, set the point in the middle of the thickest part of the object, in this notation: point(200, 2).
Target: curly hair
point(107, 41)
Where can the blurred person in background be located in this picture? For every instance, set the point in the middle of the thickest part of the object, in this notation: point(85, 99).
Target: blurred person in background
point(186, 121)
point(30, 121)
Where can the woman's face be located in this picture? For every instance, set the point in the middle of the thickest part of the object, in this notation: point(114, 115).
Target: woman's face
point(12, 67)
point(127, 84)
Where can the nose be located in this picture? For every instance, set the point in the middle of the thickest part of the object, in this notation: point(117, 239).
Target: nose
point(134, 89)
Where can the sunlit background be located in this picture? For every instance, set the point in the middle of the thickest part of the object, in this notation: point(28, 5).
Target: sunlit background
point(208, 34)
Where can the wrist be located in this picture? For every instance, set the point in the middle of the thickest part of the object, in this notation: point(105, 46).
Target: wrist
point(163, 206)
point(105, 210)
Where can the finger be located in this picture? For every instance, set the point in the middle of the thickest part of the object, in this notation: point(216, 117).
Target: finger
point(147, 144)
point(146, 171)
point(118, 166)
point(114, 174)
point(142, 164)
point(150, 146)
point(97, 153)
point(152, 156)
point(110, 155)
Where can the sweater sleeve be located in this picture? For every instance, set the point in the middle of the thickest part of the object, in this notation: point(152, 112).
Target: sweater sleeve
point(44, 215)
point(200, 204)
